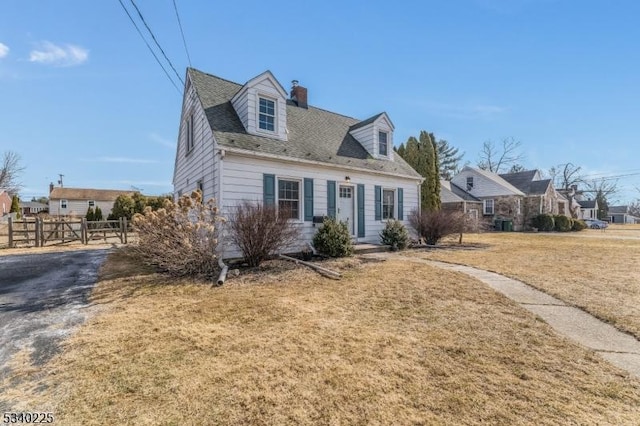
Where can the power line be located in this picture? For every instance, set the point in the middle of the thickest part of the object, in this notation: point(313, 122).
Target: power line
point(175, 7)
point(149, 47)
point(156, 41)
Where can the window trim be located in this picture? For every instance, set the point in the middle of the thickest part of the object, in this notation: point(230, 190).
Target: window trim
point(190, 133)
point(485, 205)
point(300, 183)
point(260, 96)
point(394, 213)
point(383, 132)
point(63, 203)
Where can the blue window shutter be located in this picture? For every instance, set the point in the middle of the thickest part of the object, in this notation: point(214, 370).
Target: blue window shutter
point(400, 204)
point(331, 198)
point(308, 199)
point(269, 189)
point(378, 200)
point(360, 210)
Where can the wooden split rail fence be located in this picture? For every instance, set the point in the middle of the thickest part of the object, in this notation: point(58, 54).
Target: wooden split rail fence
point(40, 232)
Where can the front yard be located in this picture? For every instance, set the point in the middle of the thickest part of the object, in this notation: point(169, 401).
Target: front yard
point(390, 343)
point(594, 270)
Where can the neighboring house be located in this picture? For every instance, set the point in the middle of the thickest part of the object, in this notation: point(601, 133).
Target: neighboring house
point(512, 196)
point(32, 208)
point(620, 214)
point(540, 194)
point(453, 197)
point(5, 203)
point(253, 142)
point(588, 209)
point(76, 201)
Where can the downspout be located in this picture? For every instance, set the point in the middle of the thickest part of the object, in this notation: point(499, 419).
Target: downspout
point(541, 204)
point(223, 267)
point(223, 272)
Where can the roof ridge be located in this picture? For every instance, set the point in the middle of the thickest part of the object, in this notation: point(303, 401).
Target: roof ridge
point(216, 76)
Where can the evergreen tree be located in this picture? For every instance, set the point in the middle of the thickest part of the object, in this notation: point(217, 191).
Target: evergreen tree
point(124, 206)
point(422, 156)
point(449, 159)
point(15, 206)
point(97, 214)
point(90, 216)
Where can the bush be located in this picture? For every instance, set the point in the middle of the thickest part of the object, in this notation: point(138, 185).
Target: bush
point(124, 206)
point(181, 238)
point(435, 225)
point(15, 206)
point(333, 238)
point(578, 225)
point(97, 214)
point(544, 222)
point(90, 214)
point(561, 223)
point(261, 231)
point(395, 235)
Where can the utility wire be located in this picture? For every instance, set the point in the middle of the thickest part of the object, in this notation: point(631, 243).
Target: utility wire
point(149, 47)
point(175, 7)
point(156, 41)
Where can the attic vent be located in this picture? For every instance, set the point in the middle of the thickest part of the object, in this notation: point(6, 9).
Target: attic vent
point(299, 94)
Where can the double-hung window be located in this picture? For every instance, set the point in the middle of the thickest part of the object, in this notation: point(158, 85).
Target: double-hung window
point(388, 203)
point(383, 143)
point(488, 206)
point(289, 197)
point(267, 115)
point(469, 183)
point(63, 204)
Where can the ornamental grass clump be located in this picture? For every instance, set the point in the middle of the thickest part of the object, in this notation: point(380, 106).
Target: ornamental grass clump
point(181, 238)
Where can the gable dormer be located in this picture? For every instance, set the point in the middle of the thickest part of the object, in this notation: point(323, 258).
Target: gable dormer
point(375, 134)
point(262, 107)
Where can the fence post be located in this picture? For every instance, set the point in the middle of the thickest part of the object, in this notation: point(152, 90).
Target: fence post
point(10, 232)
point(83, 231)
point(124, 224)
point(37, 225)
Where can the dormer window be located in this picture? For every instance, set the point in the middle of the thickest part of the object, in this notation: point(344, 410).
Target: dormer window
point(469, 183)
point(267, 115)
point(383, 143)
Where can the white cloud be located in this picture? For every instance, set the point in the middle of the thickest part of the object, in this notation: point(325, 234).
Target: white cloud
point(462, 111)
point(59, 55)
point(162, 141)
point(4, 50)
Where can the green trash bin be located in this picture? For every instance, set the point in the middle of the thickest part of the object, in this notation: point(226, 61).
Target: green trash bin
point(497, 224)
point(507, 225)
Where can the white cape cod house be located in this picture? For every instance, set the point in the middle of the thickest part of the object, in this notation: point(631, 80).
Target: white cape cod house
point(253, 142)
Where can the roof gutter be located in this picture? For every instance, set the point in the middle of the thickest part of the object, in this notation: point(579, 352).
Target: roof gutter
point(248, 153)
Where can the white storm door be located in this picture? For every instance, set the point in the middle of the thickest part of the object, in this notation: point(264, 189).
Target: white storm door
point(345, 207)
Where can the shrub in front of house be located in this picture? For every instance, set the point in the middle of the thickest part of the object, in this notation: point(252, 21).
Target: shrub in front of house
point(181, 238)
point(261, 231)
point(561, 223)
point(97, 214)
point(578, 225)
point(543, 222)
point(434, 225)
point(333, 238)
point(395, 234)
point(90, 214)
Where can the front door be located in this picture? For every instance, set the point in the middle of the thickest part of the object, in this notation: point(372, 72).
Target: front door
point(345, 207)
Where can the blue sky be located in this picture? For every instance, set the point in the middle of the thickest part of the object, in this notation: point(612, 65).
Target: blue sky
point(81, 95)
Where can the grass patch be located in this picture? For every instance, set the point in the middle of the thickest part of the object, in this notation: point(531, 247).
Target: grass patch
point(388, 344)
point(594, 270)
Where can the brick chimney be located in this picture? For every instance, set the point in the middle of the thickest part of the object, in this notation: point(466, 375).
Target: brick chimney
point(50, 187)
point(299, 94)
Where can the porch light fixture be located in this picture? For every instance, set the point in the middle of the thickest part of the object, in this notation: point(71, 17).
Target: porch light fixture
point(347, 179)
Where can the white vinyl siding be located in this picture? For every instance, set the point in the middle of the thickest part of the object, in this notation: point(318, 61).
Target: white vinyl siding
point(77, 208)
point(369, 137)
point(243, 180)
point(201, 165)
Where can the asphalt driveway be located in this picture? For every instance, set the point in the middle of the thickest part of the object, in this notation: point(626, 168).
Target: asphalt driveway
point(43, 297)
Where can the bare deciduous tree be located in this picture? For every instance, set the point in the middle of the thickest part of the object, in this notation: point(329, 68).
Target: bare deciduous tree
point(566, 175)
point(603, 190)
point(10, 170)
point(499, 159)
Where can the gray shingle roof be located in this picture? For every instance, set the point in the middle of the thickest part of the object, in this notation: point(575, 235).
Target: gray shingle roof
point(314, 134)
point(587, 204)
point(618, 209)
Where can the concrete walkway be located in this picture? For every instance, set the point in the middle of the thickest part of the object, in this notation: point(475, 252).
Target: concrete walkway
point(620, 349)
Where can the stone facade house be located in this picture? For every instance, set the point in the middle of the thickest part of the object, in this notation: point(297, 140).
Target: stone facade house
point(516, 197)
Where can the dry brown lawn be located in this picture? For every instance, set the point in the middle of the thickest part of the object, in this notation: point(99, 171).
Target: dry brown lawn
point(594, 270)
point(388, 344)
